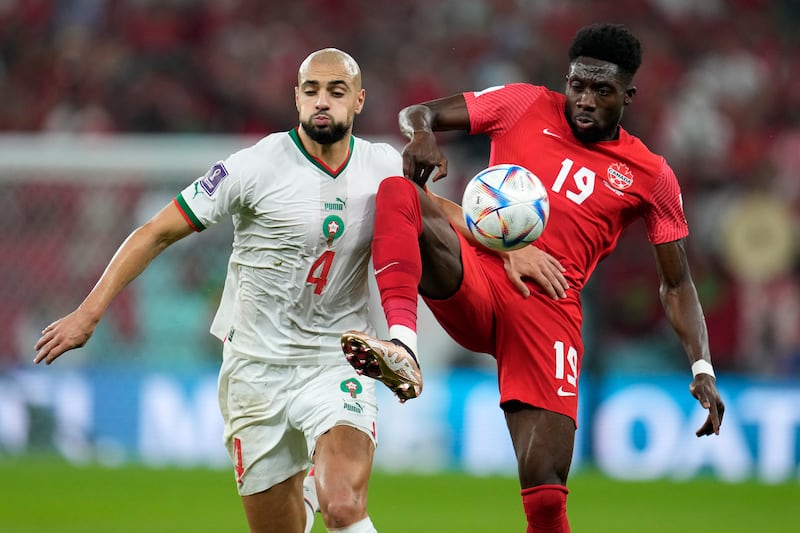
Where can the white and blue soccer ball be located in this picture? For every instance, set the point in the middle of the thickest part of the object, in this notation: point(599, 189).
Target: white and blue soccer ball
point(505, 207)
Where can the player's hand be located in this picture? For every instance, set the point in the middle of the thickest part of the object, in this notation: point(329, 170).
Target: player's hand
point(421, 156)
point(704, 389)
point(535, 264)
point(72, 331)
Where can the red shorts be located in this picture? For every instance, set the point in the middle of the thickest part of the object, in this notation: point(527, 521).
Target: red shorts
point(536, 340)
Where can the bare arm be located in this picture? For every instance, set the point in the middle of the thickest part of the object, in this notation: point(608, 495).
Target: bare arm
point(130, 260)
point(421, 156)
point(684, 312)
point(454, 213)
point(529, 262)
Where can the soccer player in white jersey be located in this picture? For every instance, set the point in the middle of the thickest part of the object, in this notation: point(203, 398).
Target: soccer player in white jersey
point(302, 204)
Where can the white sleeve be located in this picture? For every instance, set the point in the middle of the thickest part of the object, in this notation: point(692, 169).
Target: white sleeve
point(213, 196)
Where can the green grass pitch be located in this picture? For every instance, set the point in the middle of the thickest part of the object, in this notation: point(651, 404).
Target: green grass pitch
point(48, 496)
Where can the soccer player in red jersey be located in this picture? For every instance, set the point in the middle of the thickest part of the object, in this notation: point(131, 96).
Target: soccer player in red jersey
point(524, 307)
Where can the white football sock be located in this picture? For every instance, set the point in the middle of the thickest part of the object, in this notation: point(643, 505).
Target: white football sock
point(310, 500)
point(405, 335)
point(309, 517)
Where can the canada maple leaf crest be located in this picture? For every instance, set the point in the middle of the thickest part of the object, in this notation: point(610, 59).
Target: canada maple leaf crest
point(620, 176)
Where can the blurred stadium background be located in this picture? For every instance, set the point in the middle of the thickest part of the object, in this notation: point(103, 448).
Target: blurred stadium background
point(108, 108)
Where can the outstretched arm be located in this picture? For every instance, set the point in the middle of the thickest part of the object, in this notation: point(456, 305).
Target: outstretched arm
point(130, 260)
point(683, 309)
point(421, 156)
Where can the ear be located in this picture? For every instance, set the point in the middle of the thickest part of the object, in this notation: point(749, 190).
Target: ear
point(362, 96)
point(297, 98)
point(629, 94)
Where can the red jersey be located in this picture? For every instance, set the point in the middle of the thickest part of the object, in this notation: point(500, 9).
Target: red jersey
point(596, 189)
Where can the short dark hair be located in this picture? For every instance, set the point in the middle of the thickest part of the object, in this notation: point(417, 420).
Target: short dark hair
point(608, 42)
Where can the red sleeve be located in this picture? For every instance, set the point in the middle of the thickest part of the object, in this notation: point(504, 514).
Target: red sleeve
point(496, 109)
point(665, 219)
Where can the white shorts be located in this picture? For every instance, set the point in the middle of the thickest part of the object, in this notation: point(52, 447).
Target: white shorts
point(274, 414)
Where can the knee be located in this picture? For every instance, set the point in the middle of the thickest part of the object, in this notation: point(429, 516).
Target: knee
point(394, 185)
point(398, 202)
point(342, 508)
point(546, 507)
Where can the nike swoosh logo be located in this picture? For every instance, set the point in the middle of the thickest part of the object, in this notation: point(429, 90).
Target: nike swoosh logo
point(562, 392)
point(386, 266)
point(546, 131)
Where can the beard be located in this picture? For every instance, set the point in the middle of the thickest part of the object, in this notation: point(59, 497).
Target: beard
point(327, 134)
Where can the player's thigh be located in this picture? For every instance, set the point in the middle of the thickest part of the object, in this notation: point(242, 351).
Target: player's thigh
point(254, 400)
point(440, 251)
point(342, 464)
point(468, 315)
point(543, 442)
point(336, 410)
point(278, 509)
point(333, 396)
point(539, 352)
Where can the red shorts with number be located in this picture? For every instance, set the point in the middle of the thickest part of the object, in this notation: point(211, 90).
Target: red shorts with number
point(536, 340)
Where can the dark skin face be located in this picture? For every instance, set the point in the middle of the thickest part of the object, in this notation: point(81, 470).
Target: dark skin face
point(596, 95)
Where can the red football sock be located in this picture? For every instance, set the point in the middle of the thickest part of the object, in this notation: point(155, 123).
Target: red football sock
point(395, 250)
point(546, 508)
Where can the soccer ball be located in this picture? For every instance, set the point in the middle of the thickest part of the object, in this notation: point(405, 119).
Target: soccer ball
point(505, 207)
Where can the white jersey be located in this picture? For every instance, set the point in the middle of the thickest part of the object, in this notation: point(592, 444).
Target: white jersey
point(298, 273)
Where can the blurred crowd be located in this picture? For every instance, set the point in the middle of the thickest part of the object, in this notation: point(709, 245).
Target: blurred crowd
point(718, 95)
